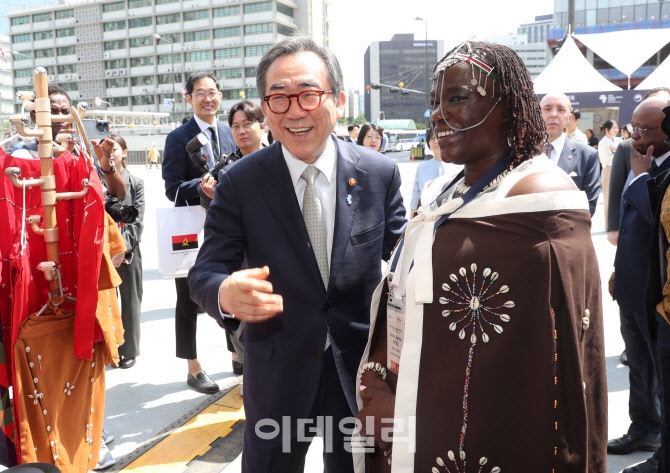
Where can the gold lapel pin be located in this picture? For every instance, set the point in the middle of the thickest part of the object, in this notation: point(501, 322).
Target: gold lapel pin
point(352, 181)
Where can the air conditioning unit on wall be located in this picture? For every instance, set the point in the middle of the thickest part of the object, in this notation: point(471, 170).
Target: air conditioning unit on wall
point(105, 55)
point(108, 73)
point(122, 72)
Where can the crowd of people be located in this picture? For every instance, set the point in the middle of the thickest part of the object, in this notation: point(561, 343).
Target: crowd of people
point(483, 329)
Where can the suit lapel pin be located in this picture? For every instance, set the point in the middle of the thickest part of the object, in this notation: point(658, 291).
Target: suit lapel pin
point(349, 199)
point(352, 181)
point(569, 156)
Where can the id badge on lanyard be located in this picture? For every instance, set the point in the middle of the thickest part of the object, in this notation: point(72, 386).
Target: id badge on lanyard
point(395, 305)
point(395, 331)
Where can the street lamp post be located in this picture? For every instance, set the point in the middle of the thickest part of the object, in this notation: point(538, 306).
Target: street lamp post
point(158, 38)
point(426, 65)
point(98, 102)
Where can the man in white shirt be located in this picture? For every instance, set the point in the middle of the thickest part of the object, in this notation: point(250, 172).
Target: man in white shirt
point(572, 130)
point(578, 160)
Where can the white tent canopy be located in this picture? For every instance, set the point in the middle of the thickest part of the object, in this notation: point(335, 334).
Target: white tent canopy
point(659, 78)
point(626, 50)
point(570, 72)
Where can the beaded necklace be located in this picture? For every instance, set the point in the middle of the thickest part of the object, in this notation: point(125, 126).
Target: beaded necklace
point(462, 187)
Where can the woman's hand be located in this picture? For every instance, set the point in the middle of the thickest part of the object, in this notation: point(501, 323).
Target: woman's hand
point(103, 151)
point(118, 259)
point(376, 416)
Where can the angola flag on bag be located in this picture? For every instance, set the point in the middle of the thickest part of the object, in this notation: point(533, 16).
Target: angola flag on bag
point(180, 235)
point(184, 242)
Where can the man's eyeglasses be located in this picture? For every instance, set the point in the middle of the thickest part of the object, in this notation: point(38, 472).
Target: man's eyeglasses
point(210, 95)
point(641, 131)
point(246, 125)
point(309, 100)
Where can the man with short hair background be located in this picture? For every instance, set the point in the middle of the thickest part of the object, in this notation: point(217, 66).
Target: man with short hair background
point(312, 217)
point(578, 160)
point(353, 133)
point(628, 286)
point(572, 128)
point(182, 180)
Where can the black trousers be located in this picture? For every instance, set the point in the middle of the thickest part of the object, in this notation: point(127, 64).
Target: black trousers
point(644, 402)
point(185, 322)
point(130, 294)
point(330, 407)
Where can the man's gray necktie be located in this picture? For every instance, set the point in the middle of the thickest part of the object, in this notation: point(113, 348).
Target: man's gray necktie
point(315, 221)
point(215, 145)
point(547, 149)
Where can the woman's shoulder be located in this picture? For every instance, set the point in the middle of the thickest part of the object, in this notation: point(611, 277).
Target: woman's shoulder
point(538, 175)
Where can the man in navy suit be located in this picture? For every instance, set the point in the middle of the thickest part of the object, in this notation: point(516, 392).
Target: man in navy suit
point(182, 180)
point(578, 160)
point(629, 284)
point(306, 297)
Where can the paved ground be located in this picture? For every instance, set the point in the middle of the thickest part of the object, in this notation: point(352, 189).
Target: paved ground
point(152, 397)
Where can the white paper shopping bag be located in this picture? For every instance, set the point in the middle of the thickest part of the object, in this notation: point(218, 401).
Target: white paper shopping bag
point(180, 236)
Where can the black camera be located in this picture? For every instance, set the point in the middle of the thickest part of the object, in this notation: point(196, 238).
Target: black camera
point(194, 150)
point(119, 212)
point(199, 160)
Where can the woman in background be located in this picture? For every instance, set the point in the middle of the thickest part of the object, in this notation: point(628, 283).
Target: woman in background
point(429, 170)
point(130, 269)
point(593, 141)
point(371, 136)
point(606, 148)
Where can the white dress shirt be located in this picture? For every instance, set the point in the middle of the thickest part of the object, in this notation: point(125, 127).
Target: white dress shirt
point(558, 145)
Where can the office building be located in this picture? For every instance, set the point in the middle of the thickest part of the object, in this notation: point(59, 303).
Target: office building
point(353, 108)
point(401, 63)
point(530, 43)
point(136, 54)
point(6, 92)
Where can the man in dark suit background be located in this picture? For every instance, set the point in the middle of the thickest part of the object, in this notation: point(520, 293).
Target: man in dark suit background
point(306, 296)
point(578, 160)
point(353, 133)
point(620, 171)
point(182, 180)
point(628, 285)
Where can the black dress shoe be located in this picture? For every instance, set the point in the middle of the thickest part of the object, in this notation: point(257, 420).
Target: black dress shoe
point(623, 358)
point(202, 383)
point(126, 363)
point(238, 368)
point(628, 444)
point(648, 466)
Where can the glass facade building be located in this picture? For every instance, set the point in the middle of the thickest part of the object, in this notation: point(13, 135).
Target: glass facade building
point(405, 60)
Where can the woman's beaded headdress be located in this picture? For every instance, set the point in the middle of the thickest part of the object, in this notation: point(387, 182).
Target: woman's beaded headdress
point(476, 64)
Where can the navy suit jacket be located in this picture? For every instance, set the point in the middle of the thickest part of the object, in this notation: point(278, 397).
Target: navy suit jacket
point(255, 216)
point(631, 263)
point(581, 163)
point(620, 170)
point(179, 173)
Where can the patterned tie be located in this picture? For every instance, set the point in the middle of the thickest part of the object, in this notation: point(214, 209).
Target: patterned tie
point(548, 147)
point(215, 145)
point(315, 221)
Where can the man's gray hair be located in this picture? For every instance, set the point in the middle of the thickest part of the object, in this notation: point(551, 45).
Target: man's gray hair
point(295, 44)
